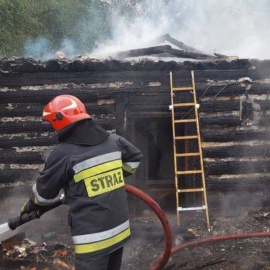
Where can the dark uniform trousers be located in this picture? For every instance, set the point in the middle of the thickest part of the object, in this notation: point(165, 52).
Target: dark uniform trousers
point(110, 261)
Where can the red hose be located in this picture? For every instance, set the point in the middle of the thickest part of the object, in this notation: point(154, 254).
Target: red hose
point(218, 238)
point(166, 226)
point(163, 259)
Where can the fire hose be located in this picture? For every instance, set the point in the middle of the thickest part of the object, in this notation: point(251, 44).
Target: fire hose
point(169, 251)
point(163, 259)
point(218, 238)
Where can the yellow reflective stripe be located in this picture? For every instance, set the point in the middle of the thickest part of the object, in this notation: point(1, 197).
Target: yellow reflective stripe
point(104, 182)
point(23, 208)
point(128, 169)
point(108, 166)
point(92, 247)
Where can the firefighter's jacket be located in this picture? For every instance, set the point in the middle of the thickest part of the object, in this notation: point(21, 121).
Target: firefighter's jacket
point(91, 173)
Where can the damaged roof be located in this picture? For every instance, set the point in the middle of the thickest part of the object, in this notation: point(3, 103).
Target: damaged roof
point(162, 53)
point(167, 48)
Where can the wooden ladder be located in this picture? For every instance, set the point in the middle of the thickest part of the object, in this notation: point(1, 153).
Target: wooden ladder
point(176, 91)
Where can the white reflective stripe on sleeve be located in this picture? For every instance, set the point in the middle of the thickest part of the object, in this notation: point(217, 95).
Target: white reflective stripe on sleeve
point(91, 162)
point(41, 199)
point(96, 237)
point(133, 165)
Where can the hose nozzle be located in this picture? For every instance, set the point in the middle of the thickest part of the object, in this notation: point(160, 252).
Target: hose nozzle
point(14, 223)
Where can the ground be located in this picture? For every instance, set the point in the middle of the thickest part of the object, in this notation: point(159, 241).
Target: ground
point(244, 254)
point(147, 241)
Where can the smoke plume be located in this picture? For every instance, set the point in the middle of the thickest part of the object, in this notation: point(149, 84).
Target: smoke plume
point(227, 27)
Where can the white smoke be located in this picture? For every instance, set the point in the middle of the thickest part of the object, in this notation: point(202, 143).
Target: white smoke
point(43, 49)
point(39, 48)
point(228, 27)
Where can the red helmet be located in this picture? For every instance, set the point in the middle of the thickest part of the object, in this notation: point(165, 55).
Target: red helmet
point(63, 111)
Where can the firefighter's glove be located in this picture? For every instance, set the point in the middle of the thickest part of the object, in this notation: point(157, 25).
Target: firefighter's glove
point(30, 207)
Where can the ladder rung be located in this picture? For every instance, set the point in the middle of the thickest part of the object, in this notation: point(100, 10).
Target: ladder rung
point(185, 121)
point(190, 190)
point(189, 172)
point(192, 208)
point(182, 88)
point(188, 154)
point(183, 104)
point(186, 137)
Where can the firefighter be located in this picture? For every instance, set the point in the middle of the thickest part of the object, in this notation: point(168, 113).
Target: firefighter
point(89, 164)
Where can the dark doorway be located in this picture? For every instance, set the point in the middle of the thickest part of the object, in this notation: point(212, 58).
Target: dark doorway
point(154, 138)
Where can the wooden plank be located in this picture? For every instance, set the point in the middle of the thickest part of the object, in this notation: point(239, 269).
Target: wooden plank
point(31, 157)
point(121, 109)
point(162, 49)
point(43, 97)
point(219, 106)
point(236, 151)
point(17, 175)
point(223, 166)
point(220, 120)
point(35, 109)
point(245, 182)
point(181, 77)
point(238, 135)
point(12, 127)
point(28, 139)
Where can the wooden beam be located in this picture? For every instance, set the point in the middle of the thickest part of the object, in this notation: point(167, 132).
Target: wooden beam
point(12, 127)
point(223, 166)
point(35, 109)
point(145, 77)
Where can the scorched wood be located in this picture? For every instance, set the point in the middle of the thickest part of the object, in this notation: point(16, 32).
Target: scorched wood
point(30, 157)
point(36, 109)
point(10, 127)
point(43, 97)
point(181, 77)
point(223, 135)
point(28, 140)
point(220, 120)
point(245, 182)
point(238, 166)
point(14, 175)
point(236, 151)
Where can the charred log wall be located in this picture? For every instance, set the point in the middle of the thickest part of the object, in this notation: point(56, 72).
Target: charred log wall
point(234, 113)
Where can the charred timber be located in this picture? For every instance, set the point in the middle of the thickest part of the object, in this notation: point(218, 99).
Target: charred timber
point(11, 127)
point(221, 121)
point(175, 42)
point(236, 151)
point(34, 109)
point(161, 50)
point(138, 89)
point(247, 183)
point(13, 157)
point(17, 175)
point(121, 113)
point(238, 135)
point(236, 166)
point(137, 74)
point(43, 97)
point(219, 106)
point(142, 52)
point(191, 55)
point(22, 141)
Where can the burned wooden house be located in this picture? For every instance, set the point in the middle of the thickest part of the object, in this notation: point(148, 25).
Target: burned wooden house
point(132, 98)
